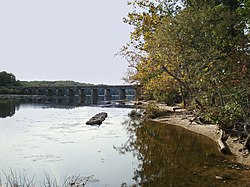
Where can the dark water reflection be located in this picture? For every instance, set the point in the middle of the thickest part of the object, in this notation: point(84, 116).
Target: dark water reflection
point(173, 156)
point(8, 108)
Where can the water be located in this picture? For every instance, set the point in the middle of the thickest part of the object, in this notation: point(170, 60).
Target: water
point(57, 140)
point(49, 138)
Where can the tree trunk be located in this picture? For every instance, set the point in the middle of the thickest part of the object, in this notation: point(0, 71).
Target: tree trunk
point(182, 97)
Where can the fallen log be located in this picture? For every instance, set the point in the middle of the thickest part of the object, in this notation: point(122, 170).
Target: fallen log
point(97, 119)
point(222, 147)
point(176, 108)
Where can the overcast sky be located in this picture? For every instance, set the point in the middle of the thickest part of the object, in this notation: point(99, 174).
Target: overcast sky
point(63, 39)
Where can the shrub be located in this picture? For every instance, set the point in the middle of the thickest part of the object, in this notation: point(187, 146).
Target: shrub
point(153, 111)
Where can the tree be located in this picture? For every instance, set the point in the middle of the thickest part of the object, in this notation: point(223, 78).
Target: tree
point(7, 79)
point(199, 48)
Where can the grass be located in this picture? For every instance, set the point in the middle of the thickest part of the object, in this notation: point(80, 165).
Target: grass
point(14, 179)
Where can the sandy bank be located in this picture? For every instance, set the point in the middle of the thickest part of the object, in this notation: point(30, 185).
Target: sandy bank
point(180, 118)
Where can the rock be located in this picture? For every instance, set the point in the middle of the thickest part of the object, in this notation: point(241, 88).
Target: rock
point(97, 119)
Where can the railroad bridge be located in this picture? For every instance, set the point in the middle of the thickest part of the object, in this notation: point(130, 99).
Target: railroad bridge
point(108, 92)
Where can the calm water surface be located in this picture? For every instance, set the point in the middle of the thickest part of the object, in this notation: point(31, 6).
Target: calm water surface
point(40, 138)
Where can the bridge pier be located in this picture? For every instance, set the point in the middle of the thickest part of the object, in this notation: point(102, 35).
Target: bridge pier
point(40, 91)
point(31, 91)
point(70, 92)
point(107, 95)
point(49, 92)
point(57, 92)
point(122, 94)
point(82, 95)
point(94, 96)
point(36, 92)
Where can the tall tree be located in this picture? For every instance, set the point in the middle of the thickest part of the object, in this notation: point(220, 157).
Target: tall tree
point(198, 47)
point(7, 79)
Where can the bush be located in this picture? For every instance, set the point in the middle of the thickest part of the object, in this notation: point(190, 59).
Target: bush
point(170, 98)
point(153, 111)
point(228, 115)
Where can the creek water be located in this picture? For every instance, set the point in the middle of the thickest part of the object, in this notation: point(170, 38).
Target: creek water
point(50, 139)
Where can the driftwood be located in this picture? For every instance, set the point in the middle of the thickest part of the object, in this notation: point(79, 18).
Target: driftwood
point(176, 108)
point(247, 143)
point(199, 120)
point(222, 146)
point(97, 119)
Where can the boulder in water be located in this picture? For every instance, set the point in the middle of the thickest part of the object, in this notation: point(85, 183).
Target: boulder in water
point(97, 119)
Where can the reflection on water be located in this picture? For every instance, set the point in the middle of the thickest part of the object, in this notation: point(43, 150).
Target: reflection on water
point(53, 137)
point(172, 156)
point(8, 108)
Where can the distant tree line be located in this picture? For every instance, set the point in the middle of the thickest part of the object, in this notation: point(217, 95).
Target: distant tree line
point(67, 83)
point(8, 79)
point(8, 82)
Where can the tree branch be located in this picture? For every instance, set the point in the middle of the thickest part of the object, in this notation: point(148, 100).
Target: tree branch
point(176, 78)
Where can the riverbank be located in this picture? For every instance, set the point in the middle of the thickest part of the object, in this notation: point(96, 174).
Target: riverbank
point(181, 118)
